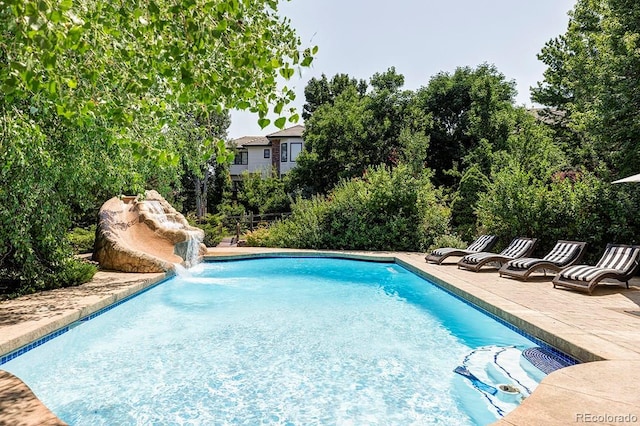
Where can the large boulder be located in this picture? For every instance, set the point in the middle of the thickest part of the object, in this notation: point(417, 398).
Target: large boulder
point(145, 234)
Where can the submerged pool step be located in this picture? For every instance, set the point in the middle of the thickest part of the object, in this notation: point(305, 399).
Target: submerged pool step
point(496, 374)
point(545, 360)
point(507, 368)
point(462, 370)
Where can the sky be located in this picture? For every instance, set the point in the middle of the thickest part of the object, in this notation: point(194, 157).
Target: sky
point(420, 38)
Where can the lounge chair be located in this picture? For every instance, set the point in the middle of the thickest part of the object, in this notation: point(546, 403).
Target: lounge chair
point(519, 247)
point(483, 243)
point(619, 262)
point(565, 253)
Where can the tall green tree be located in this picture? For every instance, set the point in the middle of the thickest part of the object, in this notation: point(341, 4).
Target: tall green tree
point(591, 77)
point(466, 107)
point(202, 151)
point(87, 87)
point(322, 91)
point(355, 131)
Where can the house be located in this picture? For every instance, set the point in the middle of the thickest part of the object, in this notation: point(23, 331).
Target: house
point(274, 153)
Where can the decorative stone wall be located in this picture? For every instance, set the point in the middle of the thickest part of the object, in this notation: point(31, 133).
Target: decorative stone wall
point(145, 235)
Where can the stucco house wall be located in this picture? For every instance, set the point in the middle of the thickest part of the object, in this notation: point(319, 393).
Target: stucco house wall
point(257, 162)
point(294, 147)
point(279, 160)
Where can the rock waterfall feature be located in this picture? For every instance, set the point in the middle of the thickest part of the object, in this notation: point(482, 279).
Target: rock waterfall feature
point(145, 234)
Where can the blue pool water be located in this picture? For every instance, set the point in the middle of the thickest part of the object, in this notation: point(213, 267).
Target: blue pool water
point(283, 341)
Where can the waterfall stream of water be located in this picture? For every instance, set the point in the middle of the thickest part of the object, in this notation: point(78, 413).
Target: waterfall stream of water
point(191, 249)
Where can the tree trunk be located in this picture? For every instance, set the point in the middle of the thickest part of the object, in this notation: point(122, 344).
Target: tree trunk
point(201, 190)
point(198, 193)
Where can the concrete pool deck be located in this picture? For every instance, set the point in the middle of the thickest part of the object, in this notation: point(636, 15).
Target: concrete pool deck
point(603, 327)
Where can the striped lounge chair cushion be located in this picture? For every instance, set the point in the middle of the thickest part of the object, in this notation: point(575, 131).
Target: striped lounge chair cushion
point(621, 258)
point(481, 243)
point(561, 254)
point(616, 259)
point(477, 257)
point(584, 272)
point(516, 249)
point(443, 251)
point(477, 245)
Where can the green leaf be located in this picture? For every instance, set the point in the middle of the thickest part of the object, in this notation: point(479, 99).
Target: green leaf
point(49, 60)
point(221, 146)
point(294, 118)
point(287, 73)
point(306, 61)
point(186, 75)
point(263, 122)
point(154, 9)
point(65, 5)
point(280, 122)
point(56, 16)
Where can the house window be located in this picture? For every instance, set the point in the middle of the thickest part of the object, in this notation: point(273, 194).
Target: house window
point(267, 153)
point(283, 152)
point(241, 158)
point(295, 150)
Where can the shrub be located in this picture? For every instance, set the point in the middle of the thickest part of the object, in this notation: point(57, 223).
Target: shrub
point(260, 195)
point(82, 239)
point(212, 227)
point(447, 240)
point(304, 228)
point(259, 237)
point(70, 272)
point(229, 212)
point(582, 207)
point(74, 272)
point(384, 210)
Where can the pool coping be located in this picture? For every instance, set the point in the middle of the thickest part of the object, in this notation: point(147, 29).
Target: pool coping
point(556, 401)
point(42, 331)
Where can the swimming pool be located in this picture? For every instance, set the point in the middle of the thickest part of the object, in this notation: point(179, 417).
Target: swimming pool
point(275, 341)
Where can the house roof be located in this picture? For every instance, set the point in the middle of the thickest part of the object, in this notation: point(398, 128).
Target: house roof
point(260, 140)
point(251, 141)
point(291, 132)
point(548, 115)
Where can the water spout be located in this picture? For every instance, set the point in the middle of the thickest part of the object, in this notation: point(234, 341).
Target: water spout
point(161, 216)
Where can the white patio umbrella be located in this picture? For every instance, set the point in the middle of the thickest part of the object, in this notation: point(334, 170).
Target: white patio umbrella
point(634, 178)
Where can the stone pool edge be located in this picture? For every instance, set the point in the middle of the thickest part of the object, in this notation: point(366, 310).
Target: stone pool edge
point(54, 327)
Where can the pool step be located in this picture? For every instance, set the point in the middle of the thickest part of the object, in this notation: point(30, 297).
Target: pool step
point(545, 360)
point(498, 378)
point(462, 370)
